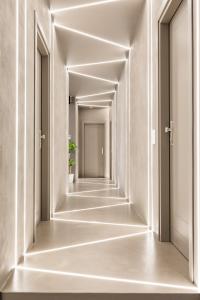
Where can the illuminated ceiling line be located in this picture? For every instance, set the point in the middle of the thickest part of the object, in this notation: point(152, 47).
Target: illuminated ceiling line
point(93, 77)
point(88, 35)
point(114, 61)
point(60, 10)
point(94, 95)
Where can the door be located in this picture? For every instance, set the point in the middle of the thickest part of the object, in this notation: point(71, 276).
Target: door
point(94, 148)
point(38, 128)
point(181, 128)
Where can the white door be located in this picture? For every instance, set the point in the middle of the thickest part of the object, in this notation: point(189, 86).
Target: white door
point(38, 126)
point(94, 150)
point(181, 125)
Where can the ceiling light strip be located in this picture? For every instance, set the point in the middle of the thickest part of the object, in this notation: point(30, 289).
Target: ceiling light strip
point(91, 36)
point(64, 9)
point(92, 106)
point(93, 77)
point(94, 101)
point(94, 95)
point(114, 61)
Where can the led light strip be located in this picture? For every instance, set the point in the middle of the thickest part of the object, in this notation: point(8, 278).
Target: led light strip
point(114, 61)
point(25, 115)
point(91, 36)
point(93, 191)
point(107, 278)
point(94, 95)
point(99, 223)
point(94, 101)
point(93, 77)
point(16, 131)
point(60, 10)
point(87, 243)
point(89, 208)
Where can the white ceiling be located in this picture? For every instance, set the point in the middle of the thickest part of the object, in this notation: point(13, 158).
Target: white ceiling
point(114, 21)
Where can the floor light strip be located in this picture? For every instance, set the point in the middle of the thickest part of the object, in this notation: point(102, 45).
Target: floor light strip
point(94, 37)
point(93, 106)
point(16, 132)
point(93, 191)
point(93, 77)
point(90, 208)
point(107, 278)
point(98, 197)
point(98, 94)
point(87, 243)
point(65, 9)
point(94, 101)
point(114, 61)
point(100, 223)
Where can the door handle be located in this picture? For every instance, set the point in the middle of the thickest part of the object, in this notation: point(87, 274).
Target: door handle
point(102, 151)
point(42, 137)
point(170, 130)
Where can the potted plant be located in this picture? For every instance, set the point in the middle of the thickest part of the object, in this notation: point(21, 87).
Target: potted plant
point(71, 161)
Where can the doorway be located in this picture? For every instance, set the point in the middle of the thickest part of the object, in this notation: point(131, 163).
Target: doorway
point(41, 129)
point(94, 150)
point(176, 127)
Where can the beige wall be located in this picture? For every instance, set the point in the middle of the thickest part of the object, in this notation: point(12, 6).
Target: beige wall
point(20, 108)
point(95, 116)
point(60, 108)
point(121, 132)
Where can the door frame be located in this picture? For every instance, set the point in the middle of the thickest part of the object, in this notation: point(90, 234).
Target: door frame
point(165, 17)
point(83, 144)
point(40, 43)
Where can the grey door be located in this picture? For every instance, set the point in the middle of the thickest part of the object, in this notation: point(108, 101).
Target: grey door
point(181, 126)
point(94, 148)
point(38, 128)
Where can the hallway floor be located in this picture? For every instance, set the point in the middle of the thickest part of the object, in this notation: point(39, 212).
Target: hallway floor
point(96, 243)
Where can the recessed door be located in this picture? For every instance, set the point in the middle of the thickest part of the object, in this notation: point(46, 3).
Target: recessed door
point(180, 130)
point(38, 132)
point(94, 150)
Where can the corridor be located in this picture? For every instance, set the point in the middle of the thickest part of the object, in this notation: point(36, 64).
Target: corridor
point(96, 243)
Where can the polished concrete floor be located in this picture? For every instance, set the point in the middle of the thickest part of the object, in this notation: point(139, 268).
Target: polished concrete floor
point(96, 243)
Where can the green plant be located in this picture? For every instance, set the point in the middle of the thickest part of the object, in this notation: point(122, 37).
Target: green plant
point(72, 146)
point(71, 163)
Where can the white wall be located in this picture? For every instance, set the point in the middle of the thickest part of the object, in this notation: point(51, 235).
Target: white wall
point(60, 131)
point(17, 126)
point(121, 133)
point(95, 116)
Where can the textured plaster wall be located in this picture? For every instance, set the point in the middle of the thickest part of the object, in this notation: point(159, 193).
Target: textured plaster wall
point(18, 108)
point(139, 120)
point(121, 132)
point(60, 138)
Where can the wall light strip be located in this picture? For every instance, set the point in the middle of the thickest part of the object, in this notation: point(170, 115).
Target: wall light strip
point(60, 10)
point(25, 113)
point(89, 208)
point(107, 278)
point(114, 61)
point(100, 223)
point(91, 36)
point(16, 131)
point(197, 210)
point(116, 238)
point(94, 95)
point(93, 77)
